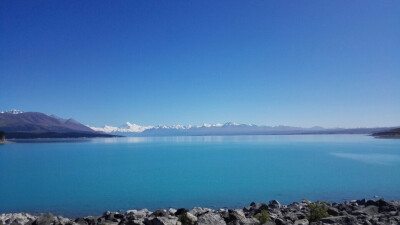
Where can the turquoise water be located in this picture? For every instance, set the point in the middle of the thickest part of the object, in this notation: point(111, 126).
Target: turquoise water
point(88, 176)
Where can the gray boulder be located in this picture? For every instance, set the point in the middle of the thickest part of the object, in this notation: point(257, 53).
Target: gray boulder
point(333, 211)
point(133, 222)
point(171, 211)
point(16, 218)
point(169, 220)
point(279, 221)
point(136, 215)
point(160, 213)
point(274, 204)
point(81, 221)
point(361, 202)
point(196, 211)
point(237, 217)
point(369, 210)
point(181, 211)
point(295, 206)
point(191, 217)
point(301, 222)
point(210, 218)
point(255, 208)
point(45, 219)
point(339, 220)
point(90, 220)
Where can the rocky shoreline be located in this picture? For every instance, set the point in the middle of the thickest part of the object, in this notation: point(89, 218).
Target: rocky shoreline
point(363, 212)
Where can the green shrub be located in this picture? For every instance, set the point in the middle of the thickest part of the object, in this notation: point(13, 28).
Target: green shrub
point(263, 216)
point(184, 219)
point(317, 211)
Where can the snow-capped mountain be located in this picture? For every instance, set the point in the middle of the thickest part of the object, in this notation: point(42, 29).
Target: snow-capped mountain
point(131, 129)
point(229, 128)
point(124, 128)
point(134, 128)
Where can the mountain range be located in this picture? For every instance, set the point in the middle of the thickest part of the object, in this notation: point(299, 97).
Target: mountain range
point(131, 129)
point(18, 124)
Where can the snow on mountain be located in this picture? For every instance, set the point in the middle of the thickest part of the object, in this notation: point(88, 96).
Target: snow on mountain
point(105, 129)
point(205, 129)
point(13, 111)
point(127, 127)
point(134, 128)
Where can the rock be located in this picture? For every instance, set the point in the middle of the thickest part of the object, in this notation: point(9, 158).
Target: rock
point(130, 213)
point(237, 217)
point(301, 215)
point(385, 206)
point(16, 218)
point(339, 220)
point(160, 213)
point(210, 218)
point(351, 212)
point(369, 210)
point(361, 202)
point(196, 211)
point(255, 208)
point(171, 211)
point(291, 216)
point(295, 206)
point(233, 216)
point(191, 217)
point(132, 222)
point(274, 204)
point(333, 211)
point(101, 220)
point(118, 216)
point(273, 216)
point(113, 216)
point(301, 222)
point(162, 221)
point(45, 219)
point(107, 223)
point(181, 211)
point(136, 215)
point(345, 208)
point(280, 221)
point(367, 223)
point(371, 202)
point(91, 220)
point(81, 221)
point(65, 221)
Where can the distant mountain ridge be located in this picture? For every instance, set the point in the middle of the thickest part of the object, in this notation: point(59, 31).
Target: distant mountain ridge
point(229, 128)
point(18, 124)
point(393, 133)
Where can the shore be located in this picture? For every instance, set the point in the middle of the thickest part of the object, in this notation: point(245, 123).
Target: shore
point(349, 212)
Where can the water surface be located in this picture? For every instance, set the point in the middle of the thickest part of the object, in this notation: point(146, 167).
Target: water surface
point(80, 177)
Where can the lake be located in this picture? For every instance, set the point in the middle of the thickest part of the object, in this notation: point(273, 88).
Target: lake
point(81, 177)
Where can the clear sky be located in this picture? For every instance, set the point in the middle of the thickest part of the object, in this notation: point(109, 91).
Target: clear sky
point(301, 63)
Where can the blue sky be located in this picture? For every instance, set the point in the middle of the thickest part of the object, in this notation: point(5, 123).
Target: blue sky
point(301, 63)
